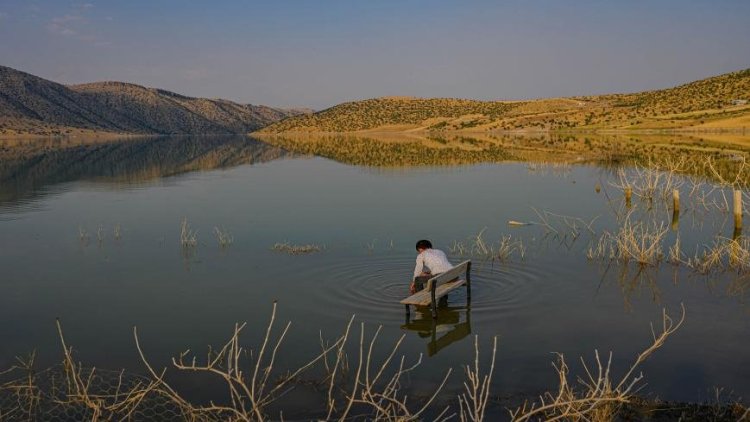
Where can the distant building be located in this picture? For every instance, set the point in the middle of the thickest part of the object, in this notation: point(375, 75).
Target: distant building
point(739, 102)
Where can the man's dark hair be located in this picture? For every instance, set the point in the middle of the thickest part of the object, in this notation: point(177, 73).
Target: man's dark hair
point(424, 244)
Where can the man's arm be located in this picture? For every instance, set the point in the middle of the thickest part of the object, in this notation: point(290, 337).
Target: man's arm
point(420, 265)
point(417, 272)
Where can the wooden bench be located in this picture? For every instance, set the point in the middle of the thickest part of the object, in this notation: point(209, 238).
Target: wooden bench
point(441, 285)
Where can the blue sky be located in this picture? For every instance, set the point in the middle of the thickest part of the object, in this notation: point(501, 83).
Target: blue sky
point(319, 53)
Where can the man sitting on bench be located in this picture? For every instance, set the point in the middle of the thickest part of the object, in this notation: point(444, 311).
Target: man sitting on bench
point(430, 262)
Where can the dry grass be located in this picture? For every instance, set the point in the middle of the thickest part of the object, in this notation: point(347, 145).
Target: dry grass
point(507, 247)
point(599, 394)
point(458, 248)
point(188, 237)
point(249, 391)
point(675, 252)
point(643, 243)
point(291, 249)
point(737, 180)
point(726, 176)
point(473, 401)
point(633, 242)
point(640, 242)
point(723, 254)
point(363, 386)
point(374, 389)
point(100, 234)
point(24, 390)
point(562, 169)
point(83, 236)
point(101, 406)
point(653, 180)
point(564, 227)
point(477, 246)
point(223, 237)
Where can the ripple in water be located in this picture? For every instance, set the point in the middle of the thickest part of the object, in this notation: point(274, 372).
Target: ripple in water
point(372, 286)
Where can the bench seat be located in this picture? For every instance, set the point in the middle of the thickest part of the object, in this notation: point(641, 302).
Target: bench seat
point(439, 286)
point(424, 298)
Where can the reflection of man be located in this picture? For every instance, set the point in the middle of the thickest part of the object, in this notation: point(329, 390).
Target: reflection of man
point(430, 262)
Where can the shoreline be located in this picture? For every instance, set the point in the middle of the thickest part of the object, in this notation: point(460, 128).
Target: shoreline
point(417, 131)
point(104, 135)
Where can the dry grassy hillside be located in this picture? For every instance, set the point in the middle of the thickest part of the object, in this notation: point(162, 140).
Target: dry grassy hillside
point(29, 104)
point(155, 110)
point(709, 104)
point(712, 93)
point(25, 98)
point(383, 112)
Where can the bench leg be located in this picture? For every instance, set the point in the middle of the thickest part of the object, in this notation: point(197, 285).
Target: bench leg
point(433, 302)
point(468, 282)
point(407, 312)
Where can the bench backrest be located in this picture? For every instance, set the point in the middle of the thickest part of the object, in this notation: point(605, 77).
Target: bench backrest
point(449, 275)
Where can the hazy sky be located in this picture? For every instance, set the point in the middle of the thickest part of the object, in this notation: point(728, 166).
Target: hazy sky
point(319, 53)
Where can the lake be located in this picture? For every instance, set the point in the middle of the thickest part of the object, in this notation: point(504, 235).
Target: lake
point(90, 234)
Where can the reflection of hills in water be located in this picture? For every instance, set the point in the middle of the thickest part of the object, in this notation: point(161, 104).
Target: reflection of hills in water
point(28, 166)
point(440, 149)
point(393, 150)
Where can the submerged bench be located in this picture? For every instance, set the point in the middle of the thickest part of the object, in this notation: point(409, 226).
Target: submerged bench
point(441, 285)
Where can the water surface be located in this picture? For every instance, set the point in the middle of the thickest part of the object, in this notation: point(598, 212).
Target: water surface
point(553, 299)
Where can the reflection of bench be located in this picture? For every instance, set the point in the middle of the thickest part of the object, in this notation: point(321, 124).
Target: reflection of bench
point(441, 285)
point(448, 325)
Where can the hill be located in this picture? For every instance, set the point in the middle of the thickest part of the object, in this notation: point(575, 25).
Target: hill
point(392, 111)
point(33, 105)
point(707, 104)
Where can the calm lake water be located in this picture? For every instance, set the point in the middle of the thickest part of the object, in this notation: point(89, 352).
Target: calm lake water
point(553, 299)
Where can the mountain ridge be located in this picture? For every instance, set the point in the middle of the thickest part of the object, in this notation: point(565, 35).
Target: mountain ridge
point(30, 105)
point(33, 105)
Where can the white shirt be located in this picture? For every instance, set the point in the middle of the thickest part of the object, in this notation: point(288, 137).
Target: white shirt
point(432, 261)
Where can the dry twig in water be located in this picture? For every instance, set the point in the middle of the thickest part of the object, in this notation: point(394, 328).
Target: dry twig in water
point(601, 395)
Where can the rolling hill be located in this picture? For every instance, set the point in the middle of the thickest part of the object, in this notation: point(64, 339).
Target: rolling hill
point(708, 104)
point(32, 105)
point(398, 112)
